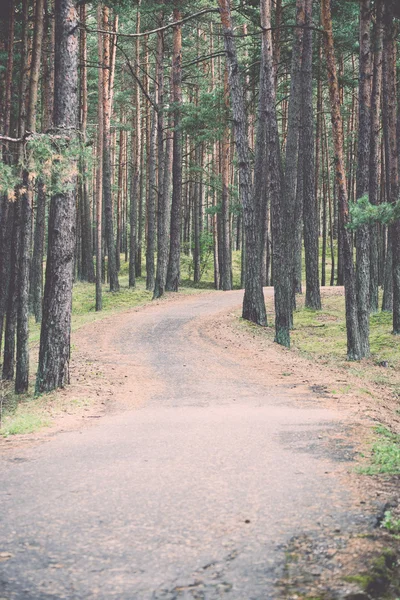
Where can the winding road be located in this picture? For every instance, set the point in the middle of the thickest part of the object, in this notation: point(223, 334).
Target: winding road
point(190, 493)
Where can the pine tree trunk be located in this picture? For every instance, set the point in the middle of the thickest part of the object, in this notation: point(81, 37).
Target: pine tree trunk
point(225, 263)
point(36, 274)
point(253, 302)
point(99, 166)
point(151, 206)
point(376, 101)
point(292, 144)
point(6, 220)
point(54, 353)
point(353, 336)
point(12, 302)
point(392, 168)
point(281, 275)
point(306, 156)
point(173, 273)
point(107, 171)
point(164, 212)
point(363, 154)
point(87, 270)
point(135, 176)
point(26, 201)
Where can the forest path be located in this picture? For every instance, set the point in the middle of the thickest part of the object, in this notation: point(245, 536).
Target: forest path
point(192, 493)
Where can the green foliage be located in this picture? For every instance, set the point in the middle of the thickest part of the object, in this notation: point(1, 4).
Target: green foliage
point(7, 179)
point(52, 160)
point(391, 523)
point(363, 212)
point(205, 121)
point(385, 454)
point(206, 250)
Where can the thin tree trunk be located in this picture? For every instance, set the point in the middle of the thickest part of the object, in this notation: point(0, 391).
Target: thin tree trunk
point(225, 263)
point(363, 155)
point(173, 273)
point(390, 95)
point(135, 177)
point(376, 101)
point(107, 171)
point(26, 202)
point(306, 156)
point(86, 221)
point(292, 145)
point(99, 168)
point(353, 336)
point(151, 206)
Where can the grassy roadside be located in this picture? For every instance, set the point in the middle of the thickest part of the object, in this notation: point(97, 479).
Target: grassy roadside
point(320, 336)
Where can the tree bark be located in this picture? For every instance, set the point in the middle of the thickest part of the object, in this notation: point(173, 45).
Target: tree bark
point(26, 201)
point(173, 273)
point(292, 145)
point(99, 166)
point(151, 206)
point(54, 353)
point(87, 271)
point(135, 177)
point(375, 147)
point(281, 275)
point(225, 265)
point(306, 156)
point(354, 351)
point(362, 186)
point(390, 123)
point(253, 302)
point(107, 171)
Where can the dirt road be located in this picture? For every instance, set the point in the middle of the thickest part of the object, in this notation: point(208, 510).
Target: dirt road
point(192, 491)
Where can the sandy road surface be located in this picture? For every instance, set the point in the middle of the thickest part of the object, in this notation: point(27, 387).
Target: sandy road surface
point(191, 493)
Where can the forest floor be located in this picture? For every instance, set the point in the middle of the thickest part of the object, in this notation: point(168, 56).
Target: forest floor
point(194, 458)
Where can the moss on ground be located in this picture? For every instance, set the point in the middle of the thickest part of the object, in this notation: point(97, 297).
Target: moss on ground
point(383, 577)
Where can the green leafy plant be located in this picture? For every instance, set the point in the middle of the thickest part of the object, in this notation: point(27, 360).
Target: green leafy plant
point(390, 523)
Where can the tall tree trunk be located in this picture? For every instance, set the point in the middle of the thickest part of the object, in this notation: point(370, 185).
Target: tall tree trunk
point(363, 154)
point(26, 202)
point(307, 162)
point(135, 177)
point(281, 275)
point(390, 95)
point(54, 353)
point(12, 305)
point(173, 273)
point(253, 302)
point(107, 171)
point(36, 275)
point(292, 144)
point(6, 218)
point(86, 221)
point(164, 212)
point(225, 263)
point(99, 166)
point(151, 206)
point(354, 351)
point(375, 154)
point(120, 192)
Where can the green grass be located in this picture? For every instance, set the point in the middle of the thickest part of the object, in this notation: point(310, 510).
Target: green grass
point(21, 423)
point(324, 333)
point(385, 457)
